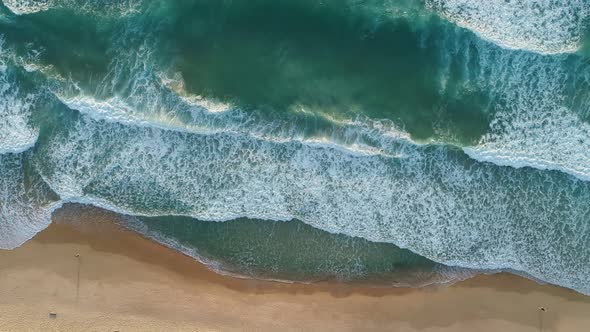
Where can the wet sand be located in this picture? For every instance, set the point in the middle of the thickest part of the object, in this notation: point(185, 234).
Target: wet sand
point(122, 282)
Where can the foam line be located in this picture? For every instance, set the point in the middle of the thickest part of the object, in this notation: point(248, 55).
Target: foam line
point(25, 202)
point(16, 132)
point(434, 201)
point(541, 26)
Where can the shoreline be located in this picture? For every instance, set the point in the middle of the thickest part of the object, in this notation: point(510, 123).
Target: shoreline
point(122, 281)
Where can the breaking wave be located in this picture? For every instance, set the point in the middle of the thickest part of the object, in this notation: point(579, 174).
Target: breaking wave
point(433, 201)
point(546, 26)
point(16, 131)
point(539, 107)
point(26, 204)
point(121, 7)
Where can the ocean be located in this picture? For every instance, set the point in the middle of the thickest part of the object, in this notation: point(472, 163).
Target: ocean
point(400, 143)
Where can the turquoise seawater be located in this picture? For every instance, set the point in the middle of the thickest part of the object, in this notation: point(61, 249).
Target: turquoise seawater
point(293, 251)
point(405, 142)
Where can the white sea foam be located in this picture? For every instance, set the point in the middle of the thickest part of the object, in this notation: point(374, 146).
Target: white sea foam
point(539, 106)
point(21, 7)
point(534, 120)
point(540, 109)
point(151, 98)
point(555, 140)
point(159, 100)
point(543, 26)
point(350, 136)
point(175, 83)
point(114, 109)
point(16, 132)
point(24, 207)
point(433, 201)
point(121, 7)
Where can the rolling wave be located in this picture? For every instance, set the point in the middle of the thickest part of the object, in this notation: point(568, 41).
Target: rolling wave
point(21, 7)
point(155, 99)
point(540, 123)
point(552, 140)
point(539, 107)
point(26, 204)
point(16, 131)
point(546, 26)
point(121, 7)
point(361, 136)
point(433, 201)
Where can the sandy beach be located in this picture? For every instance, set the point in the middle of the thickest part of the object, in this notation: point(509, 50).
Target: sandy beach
point(96, 276)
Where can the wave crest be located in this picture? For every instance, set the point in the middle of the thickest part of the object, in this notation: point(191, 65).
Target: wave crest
point(546, 26)
point(22, 7)
point(121, 7)
point(434, 201)
point(16, 132)
point(539, 107)
point(25, 204)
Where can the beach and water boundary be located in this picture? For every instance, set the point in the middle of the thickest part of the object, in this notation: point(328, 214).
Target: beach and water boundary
point(94, 275)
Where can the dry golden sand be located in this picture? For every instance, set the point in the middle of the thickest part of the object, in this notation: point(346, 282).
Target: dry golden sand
point(123, 282)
